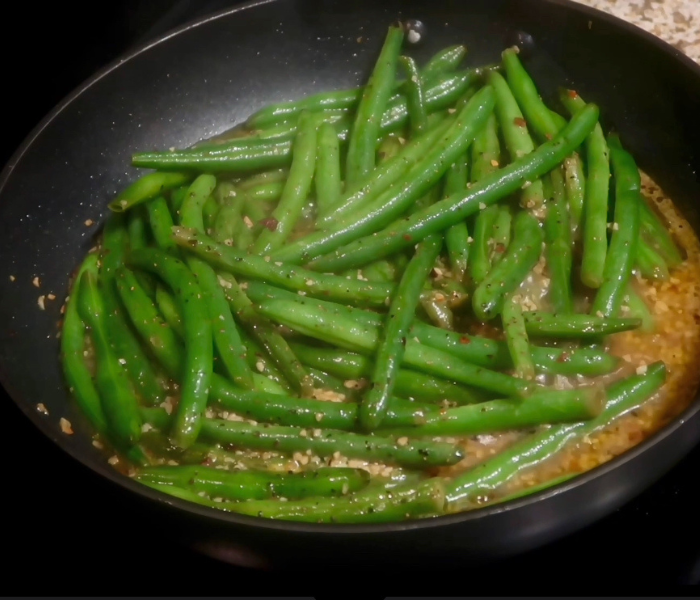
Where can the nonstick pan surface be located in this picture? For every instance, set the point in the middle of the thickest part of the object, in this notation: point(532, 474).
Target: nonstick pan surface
point(204, 78)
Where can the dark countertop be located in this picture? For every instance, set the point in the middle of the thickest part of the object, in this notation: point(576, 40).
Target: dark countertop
point(72, 539)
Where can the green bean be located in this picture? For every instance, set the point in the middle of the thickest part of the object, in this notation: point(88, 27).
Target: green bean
point(262, 330)
point(419, 179)
point(286, 410)
point(267, 385)
point(347, 333)
point(378, 506)
point(365, 130)
point(517, 338)
point(229, 221)
point(328, 178)
point(527, 96)
point(223, 328)
point(501, 233)
point(658, 236)
point(595, 212)
point(268, 177)
point(170, 311)
point(381, 271)
point(123, 340)
point(287, 276)
point(381, 179)
point(118, 401)
point(296, 190)
point(257, 485)
point(576, 326)
point(515, 134)
point(210, 209)
point(148, 322)
point(457, 237)
point(435, 306)
point(137, 228)
point(409, 383)
point(486, 150)
point(522, 254)
point(477, 350)
point(414, 454)
point(447, 212)
point(147, 187)
point(559, 246)
point(388, 148)
point(268, 192)
point(177, 196)
point(623, 243)
point(161, 222)
point(480, 264)
point(76, 371)
point(650, 263)
point(575, 186)
point(415, 95)
point(622, 397)
point(637, 308)
point(198, 365)
point(444, 61)
point(265, 155)
point(392, 341)
point(542, 407)
point(261, 363)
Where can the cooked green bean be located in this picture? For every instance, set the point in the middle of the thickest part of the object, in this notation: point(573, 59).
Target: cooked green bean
point(392, 340)
point(623, 243)
point(296, 190)
point(147, 187)
point(415, 95)
point(658, 236)
point(559, 246)
point(161, 222)
point(575, 186)
point(457, 237)
point(328, 176)
point(365, 130)
point(516, 135)
point(486, 150)
point(118, 401)
point(637, 308)
point(595, 213)
point(575, 326)
point(480, 263)
point(650, 263)
point(444, 61)
point(198, 366)
point(542, 407)
point(522, 254)
point(223, 328)
point(258, 485)
point(75, 369)
point(170, 311)
point(378, 506)
point(229, 221)
point(435, 306)
point(501, 233)
point(325, 442)
point(517, 338)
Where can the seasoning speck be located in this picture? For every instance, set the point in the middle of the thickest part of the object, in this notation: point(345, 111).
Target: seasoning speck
point(13, 278)
point(42, 409)
point(40, 302)
point(89, 222)
point(36, 282)
point(66, 426)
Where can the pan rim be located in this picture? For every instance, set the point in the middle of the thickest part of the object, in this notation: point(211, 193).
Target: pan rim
point(212, 514)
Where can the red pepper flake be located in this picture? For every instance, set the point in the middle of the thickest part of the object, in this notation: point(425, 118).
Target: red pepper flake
point(573, 94)
point(270, 223)
point(407, 237)
point(564, 357)
point(548, 136)
point(500, 248)
point(464, 340)
point(520, 122)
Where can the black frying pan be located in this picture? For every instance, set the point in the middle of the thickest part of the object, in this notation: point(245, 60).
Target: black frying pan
point(212, 74)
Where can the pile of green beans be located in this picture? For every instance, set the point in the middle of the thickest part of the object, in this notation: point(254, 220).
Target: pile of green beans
point(279, 323)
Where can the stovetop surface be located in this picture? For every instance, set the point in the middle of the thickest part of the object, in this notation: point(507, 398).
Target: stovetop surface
point(75, 543)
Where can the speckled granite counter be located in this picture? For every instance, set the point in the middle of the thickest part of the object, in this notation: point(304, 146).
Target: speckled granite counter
point(675, 21)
